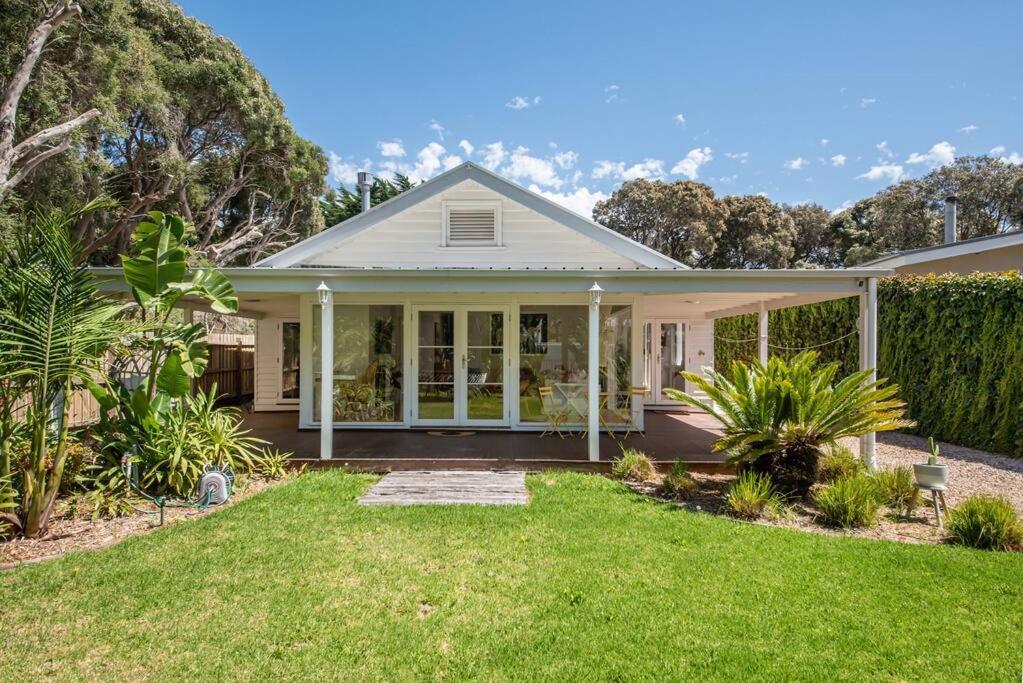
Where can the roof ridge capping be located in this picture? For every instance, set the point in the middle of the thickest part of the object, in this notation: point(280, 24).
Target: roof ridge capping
point(640, 253)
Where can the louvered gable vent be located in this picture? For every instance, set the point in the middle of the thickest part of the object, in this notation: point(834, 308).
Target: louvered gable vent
point(473, 225)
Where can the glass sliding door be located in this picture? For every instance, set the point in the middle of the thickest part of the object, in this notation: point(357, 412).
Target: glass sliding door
point(290, 375)
point(484, 352)
point(665, 353)
point(435, 398)
point(460, 373)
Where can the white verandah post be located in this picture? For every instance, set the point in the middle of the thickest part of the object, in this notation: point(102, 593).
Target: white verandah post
point(868, 357)
point(762, 349)
point(326, 371)
point(593, 376)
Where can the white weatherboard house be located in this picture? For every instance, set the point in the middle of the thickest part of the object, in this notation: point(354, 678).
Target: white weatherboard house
point(452, 304)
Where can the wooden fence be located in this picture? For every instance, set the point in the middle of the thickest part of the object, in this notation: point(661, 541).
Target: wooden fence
point(231, 367)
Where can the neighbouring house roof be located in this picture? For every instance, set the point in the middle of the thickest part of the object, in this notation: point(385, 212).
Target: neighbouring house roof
point(989, 253)
point(625, 250)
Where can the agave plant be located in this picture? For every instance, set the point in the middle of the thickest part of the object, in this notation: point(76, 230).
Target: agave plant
point(779, 416)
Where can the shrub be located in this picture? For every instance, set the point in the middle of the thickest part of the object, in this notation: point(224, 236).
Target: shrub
point(633, 465)
point(273, 464)
point(986, 522)
point(897, 489)
point(840, 462)
point(111, 499)
point(679, 483)
point(779, 417)
point(849, 502)
point(752, 496)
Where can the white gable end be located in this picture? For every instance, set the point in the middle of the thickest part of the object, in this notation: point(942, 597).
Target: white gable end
point(416, 237)
point(469, 217)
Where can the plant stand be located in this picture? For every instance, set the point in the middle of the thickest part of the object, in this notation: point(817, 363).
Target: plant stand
point(937, 492)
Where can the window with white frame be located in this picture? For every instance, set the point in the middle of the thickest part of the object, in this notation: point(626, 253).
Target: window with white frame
point(472, 224)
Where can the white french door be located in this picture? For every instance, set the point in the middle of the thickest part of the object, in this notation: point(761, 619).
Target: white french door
point(664, 351)
point(460, 366)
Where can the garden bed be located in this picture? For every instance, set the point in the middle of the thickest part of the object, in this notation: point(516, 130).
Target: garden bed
point(82, 532)
point(971, 471)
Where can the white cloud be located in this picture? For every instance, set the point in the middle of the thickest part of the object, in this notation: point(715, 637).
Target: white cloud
point(838, 160)
point(1013, 158)
point(867, 101)
point(437, 128)
point(884, 150)
point(466, 147)
point(450, 161)
point(605, 169)
point(648, 168)
point(392, 149)
point(580, 201)
point(796, 164)
point(522, 165)
point(890, 172)
point(428, 161)
point(493, 155)
point(520, 102)
point(741, 156)
point(566, 160)
point(679, 118)
point(941, 154)
point(968, 129)
point(824, 142)
point(611, 93)
point(342, 171)
point(690, 165)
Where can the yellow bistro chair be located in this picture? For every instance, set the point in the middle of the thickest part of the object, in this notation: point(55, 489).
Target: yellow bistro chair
point(556, 416)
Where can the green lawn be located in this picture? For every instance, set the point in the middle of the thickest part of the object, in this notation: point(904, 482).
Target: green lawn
point(589, 581)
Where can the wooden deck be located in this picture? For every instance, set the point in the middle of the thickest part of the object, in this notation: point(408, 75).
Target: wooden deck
point(669, 436)
point(453, 487)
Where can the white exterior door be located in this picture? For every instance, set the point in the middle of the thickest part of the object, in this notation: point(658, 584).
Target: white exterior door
point(664, 350)
point(460, 366)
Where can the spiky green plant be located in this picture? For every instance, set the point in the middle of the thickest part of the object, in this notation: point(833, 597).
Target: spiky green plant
point(54, 332)
point(780, 415)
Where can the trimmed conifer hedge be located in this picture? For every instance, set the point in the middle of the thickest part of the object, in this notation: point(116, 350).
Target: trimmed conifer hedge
point(954, 344)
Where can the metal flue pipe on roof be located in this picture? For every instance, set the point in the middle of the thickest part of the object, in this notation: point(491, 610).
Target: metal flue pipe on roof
point(950, 218)
point(364, 184)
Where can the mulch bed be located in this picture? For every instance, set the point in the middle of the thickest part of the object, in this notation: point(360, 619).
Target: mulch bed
point(72, 534)
point(921, 527)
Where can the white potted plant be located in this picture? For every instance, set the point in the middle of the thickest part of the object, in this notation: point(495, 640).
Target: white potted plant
point(931, 474)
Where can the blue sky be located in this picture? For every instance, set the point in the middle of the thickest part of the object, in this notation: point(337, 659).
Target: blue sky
point(804, 101)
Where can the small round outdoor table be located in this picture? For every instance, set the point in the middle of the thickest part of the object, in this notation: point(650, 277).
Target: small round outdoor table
point(937, 493)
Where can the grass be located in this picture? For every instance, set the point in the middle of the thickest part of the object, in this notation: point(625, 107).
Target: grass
point(589, 581)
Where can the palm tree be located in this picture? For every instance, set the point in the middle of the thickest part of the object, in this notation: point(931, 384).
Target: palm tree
point(779, 417)
point(54, 332)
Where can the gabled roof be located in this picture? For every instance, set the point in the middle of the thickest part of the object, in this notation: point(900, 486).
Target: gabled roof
point(332, 237)
point(976, 245)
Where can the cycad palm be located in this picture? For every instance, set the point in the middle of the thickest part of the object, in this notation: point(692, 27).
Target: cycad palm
point(790, 410)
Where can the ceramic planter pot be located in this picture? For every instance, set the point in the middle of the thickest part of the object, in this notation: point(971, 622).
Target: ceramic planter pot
point(930, 475)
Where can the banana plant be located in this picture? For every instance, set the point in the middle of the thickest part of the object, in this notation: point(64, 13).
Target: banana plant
point(160, 280)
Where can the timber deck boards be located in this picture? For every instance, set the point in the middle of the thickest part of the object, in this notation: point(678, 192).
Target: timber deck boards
point(451, 487)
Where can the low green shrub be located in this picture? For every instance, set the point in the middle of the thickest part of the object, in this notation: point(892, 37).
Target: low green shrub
point(678, 483)
point(752, 496)
point(633, 465)
point(273, 464)
point(849, 502)
point(986, 522)
point(840, 462)
point(896, 488)
point(108, 497)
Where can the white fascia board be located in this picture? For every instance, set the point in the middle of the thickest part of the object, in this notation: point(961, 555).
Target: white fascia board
point(978, 245)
